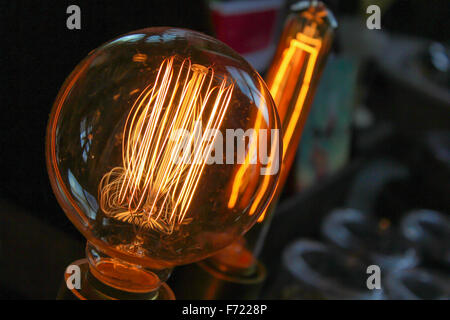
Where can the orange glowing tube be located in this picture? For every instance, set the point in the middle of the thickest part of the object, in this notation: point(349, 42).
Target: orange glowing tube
point(295, 71)
point(292, 80)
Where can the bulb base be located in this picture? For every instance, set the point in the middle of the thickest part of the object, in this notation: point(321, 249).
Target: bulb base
point(89, 287)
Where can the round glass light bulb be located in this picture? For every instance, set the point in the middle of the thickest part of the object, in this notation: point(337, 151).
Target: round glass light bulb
point(162, 148)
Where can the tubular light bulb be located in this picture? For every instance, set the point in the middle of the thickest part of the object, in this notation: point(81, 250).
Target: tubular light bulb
point(144, 142)
point(295, 72)
point(292, 79)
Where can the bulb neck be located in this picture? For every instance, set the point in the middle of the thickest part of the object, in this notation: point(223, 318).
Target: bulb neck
point(236, 260)
point(117, 278)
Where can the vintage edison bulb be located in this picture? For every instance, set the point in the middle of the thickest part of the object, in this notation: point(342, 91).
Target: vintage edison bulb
point(292, 80)
point(145, 141)
point(295, 71)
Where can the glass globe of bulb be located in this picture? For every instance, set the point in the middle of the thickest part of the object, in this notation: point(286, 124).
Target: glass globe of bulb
point(162, 148)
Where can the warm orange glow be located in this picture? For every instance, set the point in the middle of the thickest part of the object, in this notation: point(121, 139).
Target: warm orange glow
point(235, 257)
point(263, 189)
point(292, 121)
point(301, 54)
point(155, 186)
point(144, 142)
point(239, 182)
point(293, 78)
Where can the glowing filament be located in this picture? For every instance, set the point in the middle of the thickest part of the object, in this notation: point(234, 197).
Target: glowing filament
point(155, 186)
point(303, 44)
